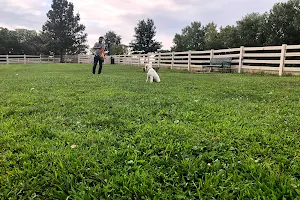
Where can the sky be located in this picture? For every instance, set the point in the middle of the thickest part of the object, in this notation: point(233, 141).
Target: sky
point(121, 16)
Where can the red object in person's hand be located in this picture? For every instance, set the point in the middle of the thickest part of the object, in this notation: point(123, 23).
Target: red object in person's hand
point(102, 55)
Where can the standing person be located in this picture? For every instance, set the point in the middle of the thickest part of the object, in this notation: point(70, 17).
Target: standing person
point(99, 55)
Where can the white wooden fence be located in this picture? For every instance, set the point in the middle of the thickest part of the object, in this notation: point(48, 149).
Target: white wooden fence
point(25, 59)
point(276, 59)
point(89, 59)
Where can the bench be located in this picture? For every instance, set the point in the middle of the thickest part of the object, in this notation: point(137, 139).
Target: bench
point(221, 63)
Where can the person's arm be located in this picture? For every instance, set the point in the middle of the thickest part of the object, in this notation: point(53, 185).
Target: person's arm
point(95, 46)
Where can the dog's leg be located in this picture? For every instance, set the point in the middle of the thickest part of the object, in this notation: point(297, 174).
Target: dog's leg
point(147, 78)
point(151, 79)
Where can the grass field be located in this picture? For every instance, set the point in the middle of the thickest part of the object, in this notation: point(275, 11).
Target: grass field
point(66, 133)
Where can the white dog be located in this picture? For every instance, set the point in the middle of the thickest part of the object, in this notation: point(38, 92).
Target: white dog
point(151, 74)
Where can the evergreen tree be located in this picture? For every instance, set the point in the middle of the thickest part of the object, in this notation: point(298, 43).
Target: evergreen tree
point(66, 34)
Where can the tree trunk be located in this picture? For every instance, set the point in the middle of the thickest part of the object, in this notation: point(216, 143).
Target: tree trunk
point(61, 55)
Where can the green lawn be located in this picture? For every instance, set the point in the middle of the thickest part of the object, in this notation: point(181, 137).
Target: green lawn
point(66, 133)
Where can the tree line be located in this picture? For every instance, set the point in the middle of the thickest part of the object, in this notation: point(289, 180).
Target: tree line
point(280, 25)
point(63, 34)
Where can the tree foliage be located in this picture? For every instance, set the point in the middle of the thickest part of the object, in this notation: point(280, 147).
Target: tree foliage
point(113, 43)
point(9, 42)
point(281, 25)
point(228, 37)
point(63, 33)
point(145, 32)
point(211, 36)
point(191, 38)
point(66, 34)
point(284, 23)
point(251, 30)
point(118, 49)
point(112, 38)
point(22, 41)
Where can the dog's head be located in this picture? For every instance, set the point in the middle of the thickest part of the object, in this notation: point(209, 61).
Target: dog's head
point(148, 67)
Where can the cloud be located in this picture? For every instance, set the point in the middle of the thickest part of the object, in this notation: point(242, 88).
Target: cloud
point(121, 16)
point(23, 14)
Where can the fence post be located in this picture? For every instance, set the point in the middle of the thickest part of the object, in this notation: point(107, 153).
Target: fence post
point(172, 63)
point(189, 60)
point(211, 54)
point(78, 61)
point(241, 59)
point(7, 61)
point(211, 57)
point(159, 55)
point(40, 58)
point(24, 59)
point(282, 59)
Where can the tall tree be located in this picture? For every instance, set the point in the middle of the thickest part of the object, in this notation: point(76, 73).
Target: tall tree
point(9, 43)
point(229, 37)
point(44, 45)
point(211, 38)
point(251, 29)
point(191, 38)
point(113, 42)
point(144, 37)
point(284, 23)
point(112, 38)
point(179, 44)
point(119, 49)
point(29, 41)
point(66, 33)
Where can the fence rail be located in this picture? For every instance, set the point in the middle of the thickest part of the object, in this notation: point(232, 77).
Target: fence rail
point(25, 59)
point(276, 59)
point(89, 59)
